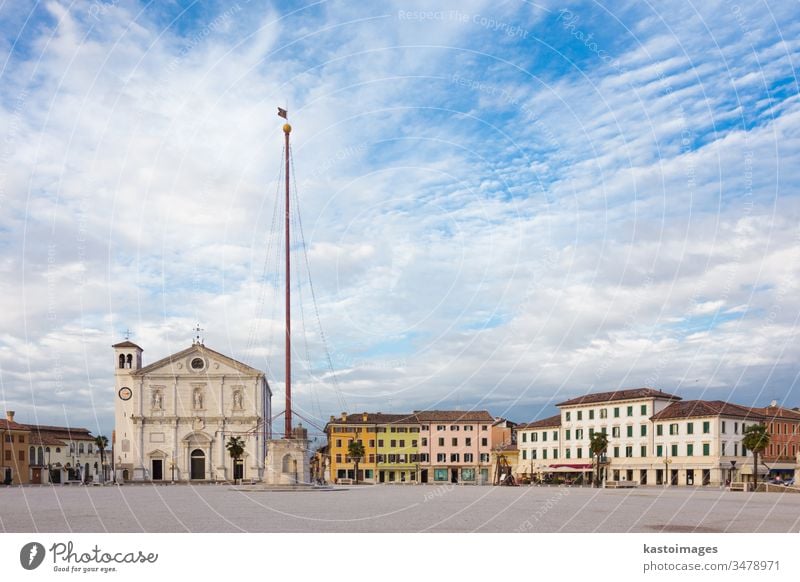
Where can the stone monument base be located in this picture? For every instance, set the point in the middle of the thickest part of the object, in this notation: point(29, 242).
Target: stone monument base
point(287, 462)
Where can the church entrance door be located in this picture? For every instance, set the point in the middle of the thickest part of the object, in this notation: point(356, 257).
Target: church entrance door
point(238, 469)
point(198, 464)
point(158, 469)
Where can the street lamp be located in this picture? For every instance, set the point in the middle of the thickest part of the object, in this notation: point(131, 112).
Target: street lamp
point(733, 468)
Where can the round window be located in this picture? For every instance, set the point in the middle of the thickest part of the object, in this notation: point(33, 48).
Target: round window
point(198, 364)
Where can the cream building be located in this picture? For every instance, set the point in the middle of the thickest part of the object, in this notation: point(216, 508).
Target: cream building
point(699, 442)
point(174, 417)
point(654, 438)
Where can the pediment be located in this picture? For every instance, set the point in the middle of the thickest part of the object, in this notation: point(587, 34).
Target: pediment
point(197, 361)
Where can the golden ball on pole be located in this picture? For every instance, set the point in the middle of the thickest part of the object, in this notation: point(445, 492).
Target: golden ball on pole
point(287, 128)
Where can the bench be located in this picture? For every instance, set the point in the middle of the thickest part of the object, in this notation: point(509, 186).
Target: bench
point(344, 481)
point(739, 486)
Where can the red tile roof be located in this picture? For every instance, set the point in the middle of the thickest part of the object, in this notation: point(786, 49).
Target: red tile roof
point(126, 344)
point(374, 418)
point(551, 421)
point(627, 394)
point(416, 417)
point(779, 412)
point(11, 425)
point(454, 416)
point(63, 432)
point(694, 408)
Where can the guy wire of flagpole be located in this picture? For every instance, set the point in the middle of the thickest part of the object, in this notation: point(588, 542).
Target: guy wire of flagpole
point(328, 359)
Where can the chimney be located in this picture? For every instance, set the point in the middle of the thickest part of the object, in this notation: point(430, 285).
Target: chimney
point(10, 415)
point(344, 417)
point(364, 417)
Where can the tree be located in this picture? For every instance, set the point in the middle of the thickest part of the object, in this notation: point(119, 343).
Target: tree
point(102, 443)
point(235, 448)
point(598, 446)
point(756, 439)
point(355, 450)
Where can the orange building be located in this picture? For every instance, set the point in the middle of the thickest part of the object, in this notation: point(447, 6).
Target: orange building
point(783, 425)
point(14, 441)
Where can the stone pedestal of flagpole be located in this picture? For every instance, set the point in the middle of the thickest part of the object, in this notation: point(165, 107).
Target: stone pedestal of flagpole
point(287, 462)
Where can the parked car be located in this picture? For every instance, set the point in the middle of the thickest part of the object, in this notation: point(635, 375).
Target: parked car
point(789, 482)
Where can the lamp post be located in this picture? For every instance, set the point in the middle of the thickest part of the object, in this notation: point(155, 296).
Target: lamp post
point(733, 468)
point(667, 478)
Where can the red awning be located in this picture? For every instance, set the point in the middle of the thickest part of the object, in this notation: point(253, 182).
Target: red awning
point(577, 467)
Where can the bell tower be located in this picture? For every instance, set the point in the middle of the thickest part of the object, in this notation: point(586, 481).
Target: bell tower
point(127, 360)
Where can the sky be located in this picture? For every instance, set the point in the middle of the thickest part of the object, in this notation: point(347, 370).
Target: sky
point(504, 204)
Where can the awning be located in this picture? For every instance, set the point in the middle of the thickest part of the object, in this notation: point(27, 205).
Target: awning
point(572, 466)
point(567, 469)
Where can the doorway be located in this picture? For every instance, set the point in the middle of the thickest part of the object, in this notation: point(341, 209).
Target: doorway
point(158, 469)
point(673, 477)
point(423, 476)
point(453, 475)
point(238, 469)
point(690, 476)
point(198, 464)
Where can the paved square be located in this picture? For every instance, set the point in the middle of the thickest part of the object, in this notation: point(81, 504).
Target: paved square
point(445, 508)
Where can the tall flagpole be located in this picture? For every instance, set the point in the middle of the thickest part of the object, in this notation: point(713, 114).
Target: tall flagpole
point(287, 129)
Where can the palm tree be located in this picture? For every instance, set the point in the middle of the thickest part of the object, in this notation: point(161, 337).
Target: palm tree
point(102, 443)
point(756, 438)
point(598, 446)
point(355, 450)
point(235, 447)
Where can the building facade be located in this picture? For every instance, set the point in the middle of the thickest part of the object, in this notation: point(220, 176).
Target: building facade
point(699, 442)
point(174, 417)
point(421, 447)
point(783, 426)
point(15, 439)
point(58, 454)
point(654, 438)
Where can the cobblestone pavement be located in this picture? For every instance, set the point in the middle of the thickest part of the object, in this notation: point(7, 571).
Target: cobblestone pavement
point(443, 508)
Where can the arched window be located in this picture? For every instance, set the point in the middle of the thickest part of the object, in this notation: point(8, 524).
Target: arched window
point(32, 456)
point(130, 361)
point(40, 456)
point(122, 360)
point(71, 448)
point(286, 464)
point(80, 448)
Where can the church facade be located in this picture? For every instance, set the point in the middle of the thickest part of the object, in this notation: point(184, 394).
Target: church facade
point(175, 417)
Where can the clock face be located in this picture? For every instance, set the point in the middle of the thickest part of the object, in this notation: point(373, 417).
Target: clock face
point(198, 364)
point(125, 393)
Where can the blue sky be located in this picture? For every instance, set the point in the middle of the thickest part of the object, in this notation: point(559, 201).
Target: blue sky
point(505, 204)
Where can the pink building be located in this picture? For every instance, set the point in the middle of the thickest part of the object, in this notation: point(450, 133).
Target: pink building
point(455, 446)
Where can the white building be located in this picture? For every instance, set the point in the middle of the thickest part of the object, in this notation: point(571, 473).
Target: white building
point(699, 442)
point(58, 454)
point(174, 417)
point(652, 437)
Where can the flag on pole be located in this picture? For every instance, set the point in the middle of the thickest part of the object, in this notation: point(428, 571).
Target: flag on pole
point(282, 113)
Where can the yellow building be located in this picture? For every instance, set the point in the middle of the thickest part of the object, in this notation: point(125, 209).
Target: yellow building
point(14, 441)
point(341, 432)
point(398, 449)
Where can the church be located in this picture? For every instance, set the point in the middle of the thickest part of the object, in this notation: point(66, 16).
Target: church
point(174, 417)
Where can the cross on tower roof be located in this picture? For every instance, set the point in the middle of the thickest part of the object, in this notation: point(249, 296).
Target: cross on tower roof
point(128, 333)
